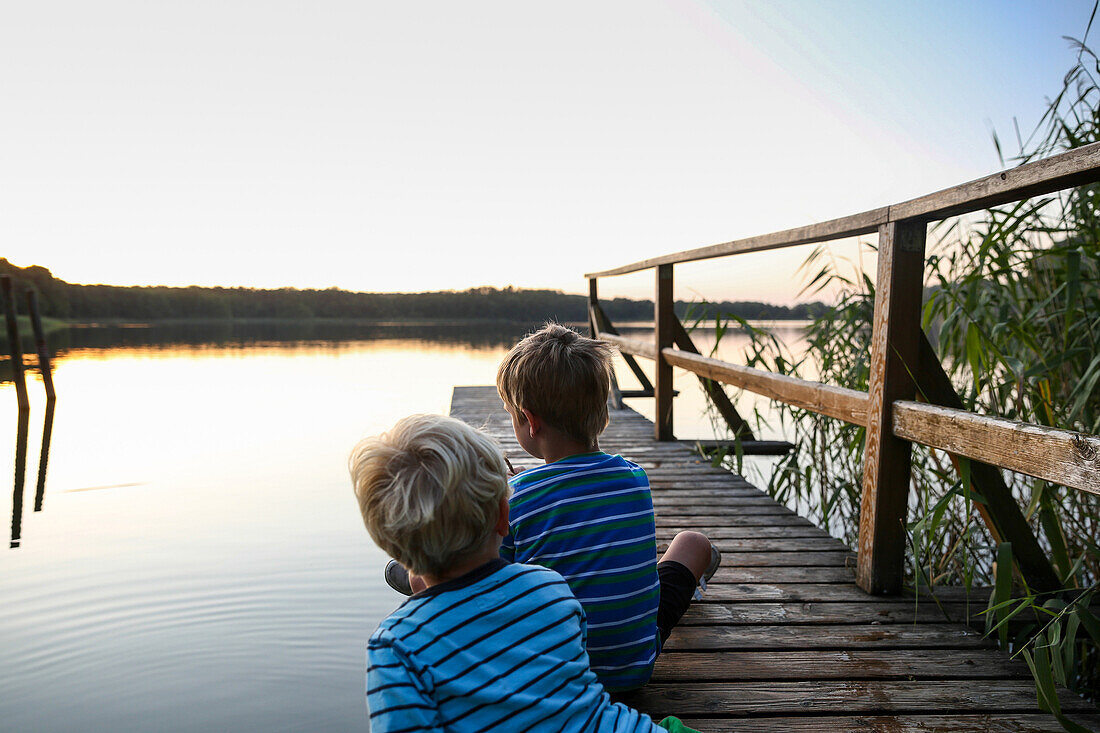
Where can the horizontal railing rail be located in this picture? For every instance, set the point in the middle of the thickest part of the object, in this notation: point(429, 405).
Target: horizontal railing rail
point(1041, 177)
point(903, 367)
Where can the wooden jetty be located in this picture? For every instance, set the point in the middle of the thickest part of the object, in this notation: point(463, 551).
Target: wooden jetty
point(797, 631)
point(784, 640)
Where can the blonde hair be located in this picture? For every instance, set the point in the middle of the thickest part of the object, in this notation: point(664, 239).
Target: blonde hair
point(429, 490)
point(560, 376)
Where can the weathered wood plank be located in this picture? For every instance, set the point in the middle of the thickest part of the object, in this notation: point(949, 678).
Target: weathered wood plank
point(768, 545)
point(895, 342)
point(856, 664)
point(786, 591)
point(627, 345)
point(866, 696)
point(1072, 168)
point(667, 530)
point(722, 509)
point(1069, 169)
point(839, 402)
point(852, 612)
point(1061, 456)
point(730, 574)
point(955, 723)
point(848, 226)
point(826, 636)
point(733, 520)
point(806, 559)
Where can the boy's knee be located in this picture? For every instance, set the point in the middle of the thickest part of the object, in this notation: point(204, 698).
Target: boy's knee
point(694, 540)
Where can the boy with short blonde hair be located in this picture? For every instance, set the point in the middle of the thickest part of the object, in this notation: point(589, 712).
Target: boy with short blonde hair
point(589, 515)
point(487, 645)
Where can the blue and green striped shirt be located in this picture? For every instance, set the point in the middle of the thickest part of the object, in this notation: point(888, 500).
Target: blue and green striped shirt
point(590, 518)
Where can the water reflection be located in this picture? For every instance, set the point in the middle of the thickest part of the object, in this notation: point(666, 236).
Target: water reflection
point(22, 434)
point(86, 340)
point(20, 473)
point(44, 455)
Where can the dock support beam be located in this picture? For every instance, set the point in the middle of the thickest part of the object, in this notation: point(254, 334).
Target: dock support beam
point(665, 335)
point(895, 349)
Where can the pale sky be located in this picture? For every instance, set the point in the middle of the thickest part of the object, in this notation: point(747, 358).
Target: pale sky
point(405, 146)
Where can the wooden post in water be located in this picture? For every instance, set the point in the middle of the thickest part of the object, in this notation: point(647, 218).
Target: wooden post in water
point(15, 348)
point(895, 349)
point(664, 336)
point(20, 472)
point(40, 344)
point(44, 455)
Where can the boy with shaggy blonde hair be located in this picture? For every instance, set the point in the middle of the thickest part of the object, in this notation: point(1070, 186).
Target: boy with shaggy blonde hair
point(589, 515)
point(487, 645)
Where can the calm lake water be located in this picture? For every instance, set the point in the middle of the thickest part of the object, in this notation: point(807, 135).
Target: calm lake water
point(198, 561)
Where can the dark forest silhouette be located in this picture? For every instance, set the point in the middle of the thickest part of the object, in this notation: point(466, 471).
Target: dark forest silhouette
point(71, 302)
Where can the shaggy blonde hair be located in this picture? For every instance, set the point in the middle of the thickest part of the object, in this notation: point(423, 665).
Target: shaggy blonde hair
point(562, 377)
point(429, 490)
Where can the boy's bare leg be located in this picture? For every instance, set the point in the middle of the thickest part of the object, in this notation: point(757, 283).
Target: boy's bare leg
point(690, 549)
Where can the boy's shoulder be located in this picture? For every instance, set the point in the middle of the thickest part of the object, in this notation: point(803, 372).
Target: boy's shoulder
point(498, 583)
point(593, 464)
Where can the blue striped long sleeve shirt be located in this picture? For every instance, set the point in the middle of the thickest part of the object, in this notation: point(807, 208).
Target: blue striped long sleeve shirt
point(590, 518)
point(501, 648)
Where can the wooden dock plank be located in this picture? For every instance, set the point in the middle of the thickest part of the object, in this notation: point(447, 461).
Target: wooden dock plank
point(960, 723)
point(783, 639)
point(855, 664)
point(850, 696)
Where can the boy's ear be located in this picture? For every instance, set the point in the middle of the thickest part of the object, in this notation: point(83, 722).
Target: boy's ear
point(534, 422)
point(501, 527)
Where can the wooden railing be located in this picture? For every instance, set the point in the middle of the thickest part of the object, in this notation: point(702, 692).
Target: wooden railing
point(903, 365)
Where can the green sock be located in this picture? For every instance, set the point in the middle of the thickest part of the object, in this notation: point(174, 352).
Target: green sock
point(675, 725)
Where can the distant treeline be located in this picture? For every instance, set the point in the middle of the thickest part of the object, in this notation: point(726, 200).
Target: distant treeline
point(66, 301)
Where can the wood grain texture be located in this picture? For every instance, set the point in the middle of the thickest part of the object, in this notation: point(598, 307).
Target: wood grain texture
point(847, 697)
point(895, 341)
point(1072, 168)
point(826, 636)
point(839, 402)
point(957, 723)
point(846, 226)
point(663, 336)
point(1060, 456)
point(851, 612)
point(854, 664)
point(626, 345)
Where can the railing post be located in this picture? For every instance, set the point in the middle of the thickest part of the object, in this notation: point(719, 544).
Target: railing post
point(593, 303)
point(895, 348)
point(664, 335)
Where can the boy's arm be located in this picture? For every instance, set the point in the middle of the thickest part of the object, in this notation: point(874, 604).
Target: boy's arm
point(397, 696)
